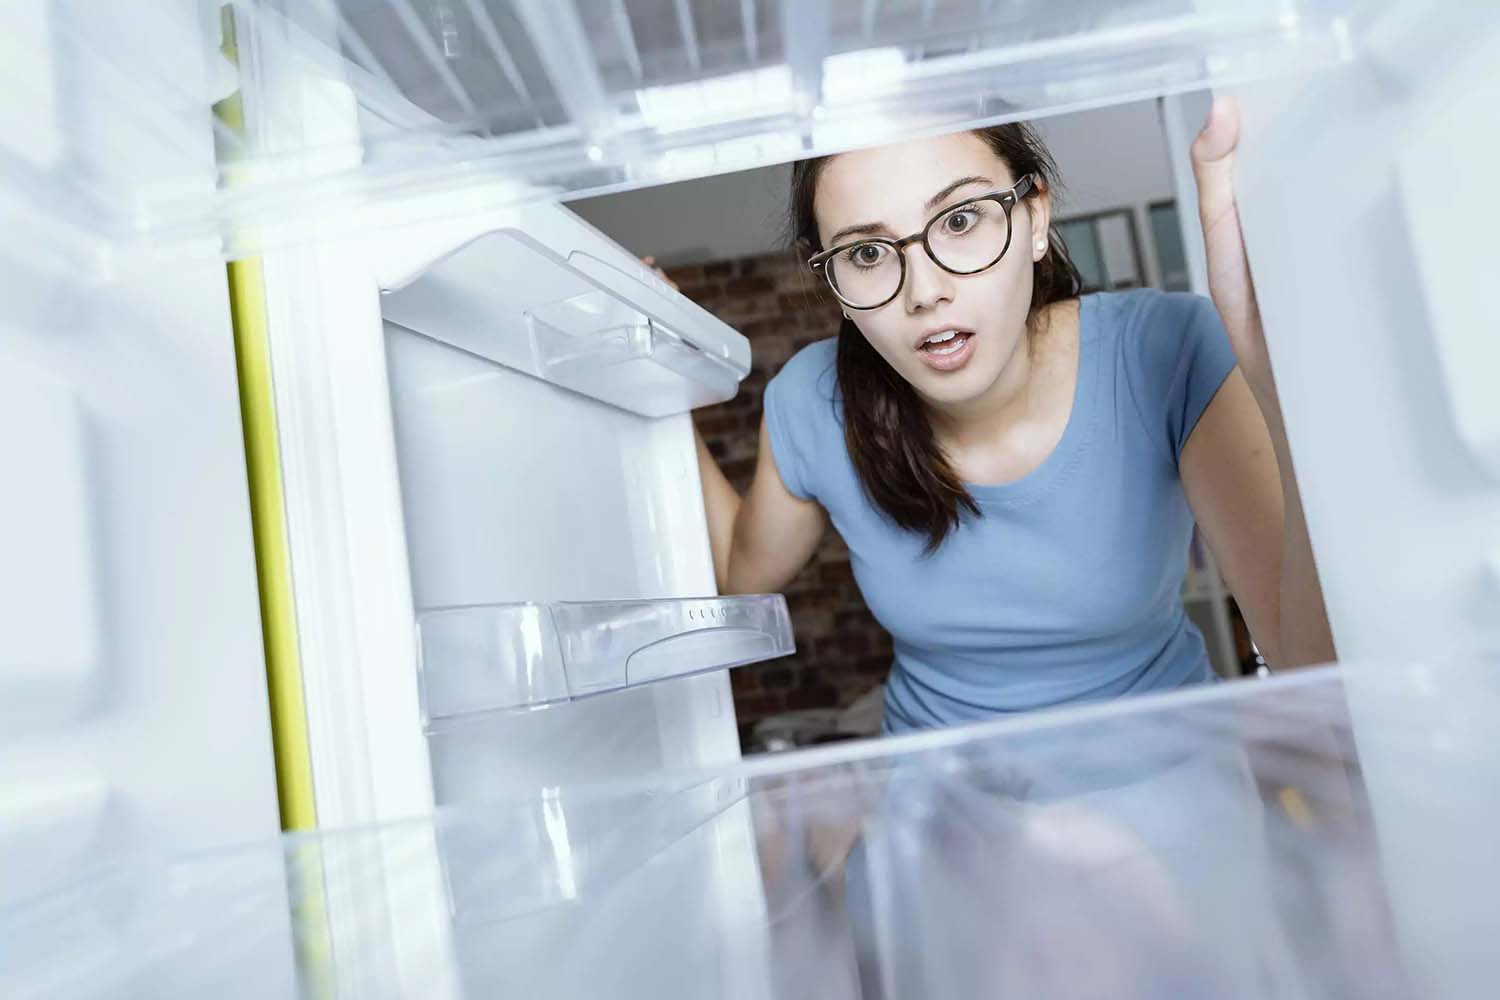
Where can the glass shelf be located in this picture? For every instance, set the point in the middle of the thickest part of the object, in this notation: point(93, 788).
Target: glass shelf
point(327, 109)
point(1325, 834)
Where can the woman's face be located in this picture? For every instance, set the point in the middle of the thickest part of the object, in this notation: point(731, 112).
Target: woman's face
point(893, 191)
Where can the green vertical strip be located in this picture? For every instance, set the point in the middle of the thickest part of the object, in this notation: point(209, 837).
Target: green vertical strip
point(306, 865)
point(294, 775)
point(273, 561)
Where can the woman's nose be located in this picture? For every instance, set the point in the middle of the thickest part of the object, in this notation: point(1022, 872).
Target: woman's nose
point(926, 283)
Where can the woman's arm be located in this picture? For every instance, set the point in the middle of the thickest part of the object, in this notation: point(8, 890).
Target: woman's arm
point(761, 541)
point(1237, 474)
point(1236, 467)
point(721, 504)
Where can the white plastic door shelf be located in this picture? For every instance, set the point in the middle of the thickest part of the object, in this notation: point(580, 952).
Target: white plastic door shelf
point(512, 656)
point(536, 289)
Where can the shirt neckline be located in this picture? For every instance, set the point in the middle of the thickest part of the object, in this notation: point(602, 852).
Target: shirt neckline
point(1070, 447)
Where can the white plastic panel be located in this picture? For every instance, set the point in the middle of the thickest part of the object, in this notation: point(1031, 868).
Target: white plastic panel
point(508, 656)
point(1216, 843)
point(54, 823)
point(1401, 504)
point(29, 113)
point(132, 680)
point(1386, 430)
point(49, 612)
point(133, 709)
point(570, 96)
point(1451, 207)
point(515, 490)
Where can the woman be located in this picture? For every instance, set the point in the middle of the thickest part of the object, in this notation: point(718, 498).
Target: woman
point(1016, 470)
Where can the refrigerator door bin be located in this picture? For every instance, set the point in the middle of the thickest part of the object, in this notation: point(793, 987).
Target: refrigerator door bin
point(544, 295)
point(602, 347)
point(515, 656)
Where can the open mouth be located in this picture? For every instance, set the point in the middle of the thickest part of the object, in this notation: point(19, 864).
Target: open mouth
point(945, 344)
point(946, 350)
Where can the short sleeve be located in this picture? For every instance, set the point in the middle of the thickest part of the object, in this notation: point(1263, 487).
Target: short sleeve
point(1181, 358)
point(797, 406)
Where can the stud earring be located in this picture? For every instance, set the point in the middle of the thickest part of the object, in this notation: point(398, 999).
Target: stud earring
point(1041, 244)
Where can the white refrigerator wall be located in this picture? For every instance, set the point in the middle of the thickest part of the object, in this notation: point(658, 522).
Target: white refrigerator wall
point(517, 490)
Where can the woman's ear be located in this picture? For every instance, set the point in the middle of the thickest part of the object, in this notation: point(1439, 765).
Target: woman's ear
point(1039, 213)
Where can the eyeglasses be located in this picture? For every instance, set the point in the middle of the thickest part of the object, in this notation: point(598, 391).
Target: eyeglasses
point(965, 238)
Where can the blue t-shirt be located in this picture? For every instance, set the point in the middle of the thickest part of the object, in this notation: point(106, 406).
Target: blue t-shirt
point(1068, 588)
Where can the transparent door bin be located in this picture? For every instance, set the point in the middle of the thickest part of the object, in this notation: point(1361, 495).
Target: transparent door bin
point(515, 656)
point(511, 296)
point(598, 345)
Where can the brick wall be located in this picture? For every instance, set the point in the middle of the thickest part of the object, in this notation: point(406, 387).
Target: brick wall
point(841, 651)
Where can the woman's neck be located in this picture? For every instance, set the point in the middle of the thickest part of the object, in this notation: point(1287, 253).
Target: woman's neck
point(1012, 396)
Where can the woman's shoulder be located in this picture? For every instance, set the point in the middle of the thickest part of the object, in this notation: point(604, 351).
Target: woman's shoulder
point(802, 419)
point(1152, 331)
point(1150, 313)
point(1173, 352)
point(808, 377)
point(812, 364)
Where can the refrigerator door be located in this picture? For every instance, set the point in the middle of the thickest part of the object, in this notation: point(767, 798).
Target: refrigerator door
point(1213, 844)
point(1367, 211)
point(133, 707)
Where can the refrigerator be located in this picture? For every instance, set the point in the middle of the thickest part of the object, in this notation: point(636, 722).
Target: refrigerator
point(393, 536)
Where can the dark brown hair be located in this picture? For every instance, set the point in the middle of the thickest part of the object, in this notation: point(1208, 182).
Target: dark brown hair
point(886, 429)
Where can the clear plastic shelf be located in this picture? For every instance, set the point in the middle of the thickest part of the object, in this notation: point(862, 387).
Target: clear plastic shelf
point(579, 319)
point(487, 658)
point(604, 348)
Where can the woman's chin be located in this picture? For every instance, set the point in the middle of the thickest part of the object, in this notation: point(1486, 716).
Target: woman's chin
point(958, 388)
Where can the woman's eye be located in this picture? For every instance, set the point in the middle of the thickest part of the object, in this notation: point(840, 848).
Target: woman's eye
point(867, 255)
point(961, 221)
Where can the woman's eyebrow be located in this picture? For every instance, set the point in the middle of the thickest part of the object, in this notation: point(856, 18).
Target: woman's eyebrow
point(937, 199)
point(863, 229)
point(873, 228)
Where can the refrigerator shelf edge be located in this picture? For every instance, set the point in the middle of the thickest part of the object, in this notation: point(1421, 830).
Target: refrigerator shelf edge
point(501, 657)
point(557, 96)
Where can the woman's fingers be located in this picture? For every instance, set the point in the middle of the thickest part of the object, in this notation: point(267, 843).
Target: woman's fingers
point(650, 262)
point(1213, 161)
